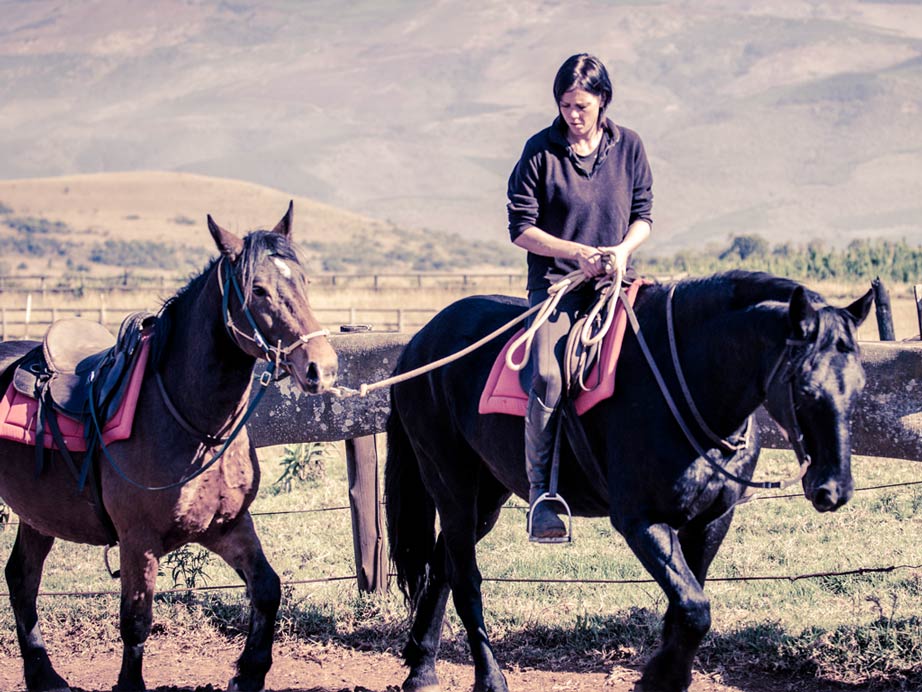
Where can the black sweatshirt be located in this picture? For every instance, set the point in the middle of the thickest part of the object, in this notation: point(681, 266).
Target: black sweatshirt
point(550, 190)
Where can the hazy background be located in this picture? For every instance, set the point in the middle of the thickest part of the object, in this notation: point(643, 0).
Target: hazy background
point(793, 119)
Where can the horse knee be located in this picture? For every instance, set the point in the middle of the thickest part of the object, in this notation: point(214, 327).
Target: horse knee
point(692, 617)
point(266, 592)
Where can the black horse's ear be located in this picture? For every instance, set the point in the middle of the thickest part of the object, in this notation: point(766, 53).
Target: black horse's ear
point(859, 310)
point(228, 244)
point(284, 226)
point(801, 314)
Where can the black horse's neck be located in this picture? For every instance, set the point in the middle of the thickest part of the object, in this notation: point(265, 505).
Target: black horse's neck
point(728, 343)
point(204, 372)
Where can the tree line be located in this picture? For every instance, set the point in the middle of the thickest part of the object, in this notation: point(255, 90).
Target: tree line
point(891, 260)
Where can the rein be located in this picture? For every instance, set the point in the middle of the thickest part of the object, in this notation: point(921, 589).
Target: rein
point(273, 354)
point(801, 453)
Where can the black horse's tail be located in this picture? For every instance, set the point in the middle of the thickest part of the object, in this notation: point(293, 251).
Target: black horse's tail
point(409, 508)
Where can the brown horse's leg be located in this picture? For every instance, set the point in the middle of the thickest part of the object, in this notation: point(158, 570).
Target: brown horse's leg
point(23, 576)
point(241, 549)
point(138, 566)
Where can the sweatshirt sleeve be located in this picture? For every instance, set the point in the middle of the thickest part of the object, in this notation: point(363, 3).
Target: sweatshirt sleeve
point(522, 205)
point(642, 196)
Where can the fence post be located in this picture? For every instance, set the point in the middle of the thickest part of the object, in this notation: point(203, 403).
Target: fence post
point(917, 293)
point(367, 524)
point(28, 316)
point(401, 323)
point(884, 313)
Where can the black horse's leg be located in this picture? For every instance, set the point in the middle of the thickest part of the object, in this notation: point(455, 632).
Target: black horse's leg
point(688, 616)
point(138, 567)
point(23, 576)
point(700, 543)
point(241, 549)
point(422, 650)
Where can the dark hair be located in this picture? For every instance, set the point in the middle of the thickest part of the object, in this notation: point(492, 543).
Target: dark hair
point(586, 72)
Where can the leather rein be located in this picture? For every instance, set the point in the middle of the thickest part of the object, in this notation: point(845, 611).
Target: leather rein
point(783, 367)
point(275, 355)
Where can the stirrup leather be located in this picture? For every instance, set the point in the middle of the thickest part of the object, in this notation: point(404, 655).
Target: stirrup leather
point(551, 497)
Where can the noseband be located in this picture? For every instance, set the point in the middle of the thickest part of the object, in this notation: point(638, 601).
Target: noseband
point(276, 355)
point(785, 368)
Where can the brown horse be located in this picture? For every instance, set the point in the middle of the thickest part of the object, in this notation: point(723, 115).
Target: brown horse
point(164, 487)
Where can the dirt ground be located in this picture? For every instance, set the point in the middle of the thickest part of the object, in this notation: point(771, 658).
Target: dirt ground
point(175, 666)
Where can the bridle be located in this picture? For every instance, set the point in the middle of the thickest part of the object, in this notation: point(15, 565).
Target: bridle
point(785, 366)
point(275, 355)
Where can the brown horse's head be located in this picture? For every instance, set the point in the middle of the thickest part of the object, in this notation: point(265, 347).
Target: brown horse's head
point(268, 313)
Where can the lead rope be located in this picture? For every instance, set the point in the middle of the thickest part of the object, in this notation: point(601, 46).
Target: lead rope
point(555, 293)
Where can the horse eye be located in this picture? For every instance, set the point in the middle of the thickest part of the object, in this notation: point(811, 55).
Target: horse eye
point(260, 292)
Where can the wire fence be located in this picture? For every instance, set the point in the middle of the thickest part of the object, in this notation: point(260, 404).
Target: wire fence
point(791, 578)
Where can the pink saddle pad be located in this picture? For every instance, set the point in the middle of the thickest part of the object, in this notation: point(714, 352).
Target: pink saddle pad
point(503, 392)
point(18, 415)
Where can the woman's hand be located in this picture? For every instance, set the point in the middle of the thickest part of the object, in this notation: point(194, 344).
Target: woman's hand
point(591, 261)
point(618, 255)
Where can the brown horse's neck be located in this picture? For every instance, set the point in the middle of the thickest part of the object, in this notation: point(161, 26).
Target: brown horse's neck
point(204, 372)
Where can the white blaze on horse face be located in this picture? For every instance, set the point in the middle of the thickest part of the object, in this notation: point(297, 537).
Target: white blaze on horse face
point(282, 267)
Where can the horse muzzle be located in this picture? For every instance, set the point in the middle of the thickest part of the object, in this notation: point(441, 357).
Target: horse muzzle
point(829, 496)
point(314, 366)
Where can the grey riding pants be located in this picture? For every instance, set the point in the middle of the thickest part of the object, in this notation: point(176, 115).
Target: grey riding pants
point(550, 343)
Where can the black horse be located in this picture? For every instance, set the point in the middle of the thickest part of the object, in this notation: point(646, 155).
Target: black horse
point(742, 339)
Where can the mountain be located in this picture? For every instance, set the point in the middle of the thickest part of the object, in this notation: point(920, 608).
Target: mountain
point(154, 222)
point(794, 119)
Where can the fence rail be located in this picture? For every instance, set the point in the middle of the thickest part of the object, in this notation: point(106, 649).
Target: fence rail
point(78, 284)
point(31, 323)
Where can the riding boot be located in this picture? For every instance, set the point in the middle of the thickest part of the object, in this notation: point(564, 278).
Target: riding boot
point(539, 445)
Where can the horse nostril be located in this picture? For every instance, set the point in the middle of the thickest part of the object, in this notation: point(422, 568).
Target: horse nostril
point(825, 499)
point(313, 373)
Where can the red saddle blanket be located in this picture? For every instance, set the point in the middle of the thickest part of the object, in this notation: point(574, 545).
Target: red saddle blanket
point(19, 413)
point(503, 392)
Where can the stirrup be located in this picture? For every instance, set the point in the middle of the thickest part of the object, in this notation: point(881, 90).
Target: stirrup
point(548, 497)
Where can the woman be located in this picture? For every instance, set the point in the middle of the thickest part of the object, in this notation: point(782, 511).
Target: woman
point(581, 189)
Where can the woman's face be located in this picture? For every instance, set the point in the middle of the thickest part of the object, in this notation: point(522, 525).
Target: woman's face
point(580, 110)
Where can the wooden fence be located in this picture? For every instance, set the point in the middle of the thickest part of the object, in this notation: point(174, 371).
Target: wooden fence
point(78, 284)
point(887, 423)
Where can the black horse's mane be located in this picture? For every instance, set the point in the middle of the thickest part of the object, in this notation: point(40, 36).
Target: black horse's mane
point(740, 289)
point(256, 245)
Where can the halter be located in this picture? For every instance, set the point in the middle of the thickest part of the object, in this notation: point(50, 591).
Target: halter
point(273, 354)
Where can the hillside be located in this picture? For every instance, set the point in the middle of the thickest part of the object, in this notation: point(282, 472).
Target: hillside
point(109, 222)
point(795, 119)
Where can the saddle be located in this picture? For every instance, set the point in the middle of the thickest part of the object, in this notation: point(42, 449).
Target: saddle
point(79, 357)
point(506, 391)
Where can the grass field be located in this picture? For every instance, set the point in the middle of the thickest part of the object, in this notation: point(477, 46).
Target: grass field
point(857, 628)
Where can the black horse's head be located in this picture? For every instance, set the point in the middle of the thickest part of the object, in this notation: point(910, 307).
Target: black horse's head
point(812, 390)
point(266, 304)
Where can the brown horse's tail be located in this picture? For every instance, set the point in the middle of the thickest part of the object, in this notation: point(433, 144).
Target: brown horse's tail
point(409, 508)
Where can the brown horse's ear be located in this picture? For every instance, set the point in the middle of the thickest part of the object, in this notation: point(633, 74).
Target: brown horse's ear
point(859, 310)
point(801, 314)
point(284, 226)
point(228, 244)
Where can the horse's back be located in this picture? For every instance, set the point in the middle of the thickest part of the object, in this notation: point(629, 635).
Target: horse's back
point(461, 324)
